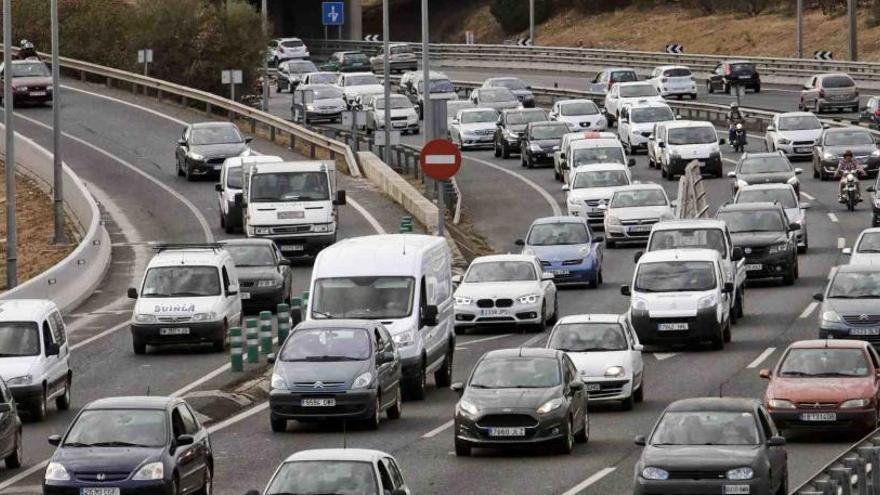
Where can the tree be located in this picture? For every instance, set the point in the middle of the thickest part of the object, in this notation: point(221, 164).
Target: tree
point(513, 15)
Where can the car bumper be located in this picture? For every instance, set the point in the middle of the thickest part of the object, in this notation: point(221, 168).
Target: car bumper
point(26, 393)
point(844, 419)
point(707, 165)
point(400, 126)
point(328, 115)
point(573, 274)
point(198, 332)
point(261, 296)
point(128, 487)
point(790, 150)
point(609, 389)
point(695, 487)
point(518, 314)
point(768, 266)
point(595, 217)
point(677, 90)
point(701, 327)
point(543, 156)
point(30, 98)
point(841, 331)
point(477, 433)
point(293, 245)
point(872, 165)
point(617, 232)
point(350, 404)
point(477, 140)
point(825, 103)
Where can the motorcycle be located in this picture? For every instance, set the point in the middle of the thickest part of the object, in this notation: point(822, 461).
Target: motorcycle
point(851, 196)
point(738, 140)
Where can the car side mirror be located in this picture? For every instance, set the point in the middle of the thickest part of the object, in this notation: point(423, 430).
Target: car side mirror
point(798, 171)
point(736, 254)
point(638, 347)
point(637, 256)
point(454, 121)
point(661, 144)
point(340, 199)
point(456, 279)
point(732, 175)
point(640, 440)
point(547, 276)
point(232, 290)
point(576, 385)
point(625, 290)
point(284, 262)
point(181, 142)
point(847, 251)
point(520, 242)
point(5, 407)
point(871, 189)
point(566, 188)
point(562, 155)
point(248, 139)
point(770, 128)
point(132, 293)
point(631, 162)
point(218, 187)
point(728, 288)
point(429, 316)
point(185, 440)
point(819, 296)
point(271, 358)
point(624, 121)
point(776, 441)
point(794, 226)
point(722, 141)
point(54, 440)
point(457, 387)
point(806, 206)
point(239, 200)
point(765, 374)
point(385, 357)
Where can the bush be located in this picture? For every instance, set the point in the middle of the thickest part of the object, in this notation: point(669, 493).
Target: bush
point(513, 15)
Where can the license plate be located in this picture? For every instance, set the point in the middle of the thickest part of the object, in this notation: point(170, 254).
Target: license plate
point(560, 272)
point(292, 247)
point(745, 77)
point(593, 387)
point(217, 167)
point(245, 295)
point(288, 215)
point(736, 489)
point(639, 228)
point(672, 326)
point(803, 150)
point(754, 267)
point(174, 331)
point(38, 93)
point(319, 402)
point(99, 491)
point(864, 331)
point(507, 432)
point(398, 124)
point(493, 312)
point(819, 417)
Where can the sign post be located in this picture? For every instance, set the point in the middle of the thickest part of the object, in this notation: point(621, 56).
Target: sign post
point(440, 160)
point(231, 77)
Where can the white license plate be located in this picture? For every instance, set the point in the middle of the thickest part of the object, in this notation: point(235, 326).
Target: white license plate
point(672, 326)
point(754, 267)
point(864, 331)
point(507, 432)
point(493, 312)
point(245, 295)
point(745, 77)
point(217, 167)
point(560, 272)
point(803, 150)
point(38, 93)
point(736, 489)
point(818, 416)
point(398, 124)
point(174, 331)
point(640, 228)
point(593, 387)
point(99, 491)
point(292, 247)
point(319, 402)
point(288, 215)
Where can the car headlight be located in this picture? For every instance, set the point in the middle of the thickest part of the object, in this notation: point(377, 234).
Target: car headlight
point(56, 472)
point(781, 404)
point(739, 474)
point(144, 318)
point(21, 89)
point(463, 301)
point(741, 183)
point(584, 251)
point(20, 380)
point(573, 127)
point(792, 180)
point(528, 299)
point(468, 409)
point(615, 372)
point(267, 283)
point(656, 474)
point(778, 248)
point(363, 381)
point(310, 107)
point(831, 317)
point(535, 148)
point(195, 156)
point(783, 141)
point(574, 202)
point(612, 220)
point(550, 405)
point(707, 301)
point(278, 382)
point(210, 315)
point(511, 134)
point(875, 153)
point(829, 156)
point(854, 403)
point(150, 471)
point(639, 304)
point(600, 122)
point(321, 227)
point(261, 230)
point(405, 338)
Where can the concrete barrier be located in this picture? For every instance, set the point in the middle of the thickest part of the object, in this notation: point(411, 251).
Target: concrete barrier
point(398, 189)
point(74, 278)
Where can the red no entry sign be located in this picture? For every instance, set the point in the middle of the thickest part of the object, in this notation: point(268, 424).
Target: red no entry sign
point(440, 159)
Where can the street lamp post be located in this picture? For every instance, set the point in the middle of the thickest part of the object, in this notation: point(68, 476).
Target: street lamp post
point(58, 178)
point(386, 74)
point(8, 104)
point(265, 13)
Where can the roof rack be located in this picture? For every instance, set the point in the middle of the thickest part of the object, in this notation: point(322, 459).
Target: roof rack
point(214, 246)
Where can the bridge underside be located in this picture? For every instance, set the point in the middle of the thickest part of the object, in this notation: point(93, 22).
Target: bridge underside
point(302, 18)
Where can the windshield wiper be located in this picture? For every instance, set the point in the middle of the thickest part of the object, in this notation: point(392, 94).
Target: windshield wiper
point(76, 444)
point(117, 443)
point(186, 294)
point(837, 373)
point(331, 358)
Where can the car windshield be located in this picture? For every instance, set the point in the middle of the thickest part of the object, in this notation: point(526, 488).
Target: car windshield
point(556, 234)
point(782, 196)
point(118, 428)
point(824, 362)
point(399, 50)
point(216, 134)
point(753, 221)
point(706, 428)
point(251, 254)
point(327, 93)
point(677, 72)
point(799, 123)
point(501, 271)
point(479, 116)
point(838, 82)
point(396, 102)
point(181, 281)
point(438, 86)
point(869, 243)
point(324, 477)
point(516, 372)
point(323, 78)
point(688, 238)
point(327, 344)
point(352, 58)
point(511, 84)
point(855, 285)
point(638, 198)
point(586, 179)
point(764, 165)
point(636, 90)
point(291, 43)
point(846, 138)
point(30, 69)
point(692, 135)
point(651, 114)
point(586, 156)
point(519, 118)
point(624, 76)
point(588, 337)
point(363, 297)
point(675, 276)
point(362, 80)
point(234, 178)
point(550, 131)
point(19, 338)
point(579, 108)
point(301, 67)
point(289, 186)
point(496, 95)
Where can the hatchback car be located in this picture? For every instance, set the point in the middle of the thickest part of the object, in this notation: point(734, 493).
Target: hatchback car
point(401, 57)
point(517, 86)
point(566, 248)
point(290, 74)
point(634, 93)
point(512, 126)
point(829, 92)
point(603, 80)
point(579, 115)
point(204, 146)
point(764, 168)
point(712, 445)
point(784, 195)
point(825, 384)
point(150, 445)
point(495, 98)
point(637, 122)
point(347, 62)
point(849, 304)
point(793, 133)
point(31, 82)
point(404, 117)
point(835, 141)
point(732, 73)
point(767, 238)
point(336, 370)
point(315, 102)
point(287, 48)
point(539, 141)
point(674, 80)
point(866, 249)
point(264, 275)
point(521, 397)
point(633, 211)
point(592, 187)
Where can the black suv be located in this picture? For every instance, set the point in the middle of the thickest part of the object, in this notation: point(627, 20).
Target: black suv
point(767, 239)
point(733, 73)
point(540, 140)
point(511, 127)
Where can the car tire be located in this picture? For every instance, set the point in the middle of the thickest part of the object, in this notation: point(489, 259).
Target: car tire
point(443, 375)
point(709, 89)
point(597, 279)
point(415, 388)
point(372, 422)
point(187, 172)
point(817, 108)
point(758, 88)
point(662, 170)
point(505, 151)
point(496, 148)
point(639, 393)
point(739, 306)
point(732, 313)
point(39, 408)
point(555, 316)
point(179, 170)
point(13, 460)
point(278, 425)
point(138, 346)
point(566, 443)
point(727, 333)
point(717, 342)
point(610, 244)
point(542, 325)
point(207, 482)
point(228, 227)
point(726, 88)
point(62, 402)
point(583, 436)
point(462, 449)
point(557, 175)
point(219, 345)
point(395, 410)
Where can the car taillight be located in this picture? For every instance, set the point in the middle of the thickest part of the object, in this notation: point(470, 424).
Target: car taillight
point(727, 70)
point(877, 113)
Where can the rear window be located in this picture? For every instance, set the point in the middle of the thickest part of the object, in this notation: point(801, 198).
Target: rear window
point(837, 82)
point(292, 43)
point(624, 76)
point(354, 57)
point(679, 72)
point(742, 67)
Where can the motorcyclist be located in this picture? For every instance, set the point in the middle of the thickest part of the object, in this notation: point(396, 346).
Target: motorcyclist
point(734, 117)
point(26, 50)
point(738, 130)
point(845, 166)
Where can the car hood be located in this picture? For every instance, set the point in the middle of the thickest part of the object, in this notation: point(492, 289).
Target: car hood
point(314, 371)
point(640, 212)
point(257, 272)
point(11, 367)
point(577, 119)
point(850, 306)
point(586, 193)
point(757, 239)
point(31, 81)
point(820, 389)
point(560, 252)
point(858, 150)
point(547, 143)
point(521, 92)
point(865, 259)
point(175, 306)
point(520, 128)
point(699, 457)
point(223, 150)
point(105, 459)
point(477, 126)
point(594, 364)
point(806, 135)
point(774, 178)
point(513, 398)
point(640, 127)
point(498, 289)
point(633, 99)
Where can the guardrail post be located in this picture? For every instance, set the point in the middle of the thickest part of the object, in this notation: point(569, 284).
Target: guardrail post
point(265, 332)
point(843, 477)
point(159, 95)
point(312, 151)
point(108, 82)
point(253, 343)
point(272, 133)
point(253, 126)
point(827, 487)
point(184, 102)
point(209, 109)
point(292, 141)
point(875, 469)
point(857, 464)
point(283, 323)
point(236, 358)
point(83, 76)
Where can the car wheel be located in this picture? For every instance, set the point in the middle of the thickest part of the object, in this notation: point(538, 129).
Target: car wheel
point(395, 410)
point(783, 487)
point(505, 151)
point(726, 88)
point(555, 315)
point(758, 88)
point(732, 313)
point(497, 149)
point(542, 325)
point(443, 375)
point(462, 449)
point(179, 170)
point(639, 393)
point(557, 175)
point(207, 482)
point(372, 423)
point(187, 172)
point(610, 244)
point(415, 388)
point(138, 345)
point(39, 407)
point(739, 306)
point(596, 279)
point(566, 443)
point(709, 88)
point(817, 108)
point(219, 344)
point(583, 436)
point(279, 425)
point(717, 342)
point(13, 460)
point(727, 332)
point(62, 402)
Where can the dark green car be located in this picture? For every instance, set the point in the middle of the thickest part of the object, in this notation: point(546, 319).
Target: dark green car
point(347, 62)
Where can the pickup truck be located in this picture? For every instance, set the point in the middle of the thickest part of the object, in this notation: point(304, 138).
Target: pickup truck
point(705, 233)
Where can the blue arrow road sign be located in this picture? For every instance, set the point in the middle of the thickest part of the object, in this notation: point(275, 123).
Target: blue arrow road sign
point(333, 13)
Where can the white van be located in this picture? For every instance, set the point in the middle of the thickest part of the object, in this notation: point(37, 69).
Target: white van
point(403, 280)
point(684, 141)
point(231, 182)
point(34, 350)
point(189, 295)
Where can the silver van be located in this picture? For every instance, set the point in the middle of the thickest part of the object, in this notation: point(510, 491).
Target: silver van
point(829, 91)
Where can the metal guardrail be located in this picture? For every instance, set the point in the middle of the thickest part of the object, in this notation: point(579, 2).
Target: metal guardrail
point(692, 201)
point(854, 472)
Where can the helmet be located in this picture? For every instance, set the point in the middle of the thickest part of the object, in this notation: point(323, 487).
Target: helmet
point(734, 105)
point(848, 154)
point(739, 127)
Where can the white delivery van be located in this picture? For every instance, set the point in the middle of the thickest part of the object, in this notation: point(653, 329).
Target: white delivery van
point(292, 203)
point(230, 184)
point(403, 280)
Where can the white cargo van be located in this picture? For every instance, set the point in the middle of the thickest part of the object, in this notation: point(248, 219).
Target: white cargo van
point(403, 280)
point(230, 184)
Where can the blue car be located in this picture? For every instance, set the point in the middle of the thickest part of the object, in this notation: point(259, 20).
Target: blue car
point(567, 248)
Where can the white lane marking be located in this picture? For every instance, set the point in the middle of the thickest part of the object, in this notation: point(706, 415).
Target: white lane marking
point(809, 309)
point(183, 390)
point(203, 222)
point(808, 196)
point(367, 216)
point(728, 160)
point(841, 243)
point(589, 481)
point(832, 217)
point(99, 336)
point(532, 340)
point(24, 474)
point(238, 417)
point(761, 357)
point(485, 339)
point(557, 211)
point(661, 356)
point(440, 159)
point(440, 429)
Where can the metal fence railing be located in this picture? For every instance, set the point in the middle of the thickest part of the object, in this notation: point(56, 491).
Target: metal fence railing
point(854, 472)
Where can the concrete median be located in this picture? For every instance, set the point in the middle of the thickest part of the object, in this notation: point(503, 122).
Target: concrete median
point(399, 190)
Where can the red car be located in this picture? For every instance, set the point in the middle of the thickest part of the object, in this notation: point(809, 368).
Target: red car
point(825, 384)
point(31, 81)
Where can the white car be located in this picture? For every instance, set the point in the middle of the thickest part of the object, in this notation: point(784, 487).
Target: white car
point(636, 123)
point(318, 102)
point(629, 92)
point(607, 354)
point(339, 471)
point(580, 115)
point(320, 78)
point(633, 211)
point(354, 84)
point(674, 80)
point(473, 127)
point(287, 48)
point(684, 141)
point(403, 115)
point(505, 290)
point(560, 164)
point(785, 195)
point(866, 250)
point(793, 133)
point(452, 108)
point(230, 185)
point(517, 86)
point(602, 149)
point(592, 186)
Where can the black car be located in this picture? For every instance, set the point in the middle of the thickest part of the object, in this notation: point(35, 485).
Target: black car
point(540, 140)
point(137, 445)
point(712, 445)
point(348, 62)
point(765, 168)
point(336, 370)
point(732, 73)
point(10, 429)
point(837, 140)
point(521, 397)
point(204, 146)
point(290, 74)
point(264, 273)
point(768, 240)
point(511, 127)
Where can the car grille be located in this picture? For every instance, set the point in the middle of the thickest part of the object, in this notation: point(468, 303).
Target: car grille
point(585, 124)
point(593, 202)
point(243, 283)
point(495, 319)
point(496, 303)
point(817, 405)
point(324, 386)
point(496, 420)
point(608, 389)
point(697, 475)
point(868, 320)
point(484, 132)
point(173, 319)
point(803, 143)
point(216, 161)
point(571, 262)
point(644, 221)
point(291, 229)
point(101, 476)
point(403, 118)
